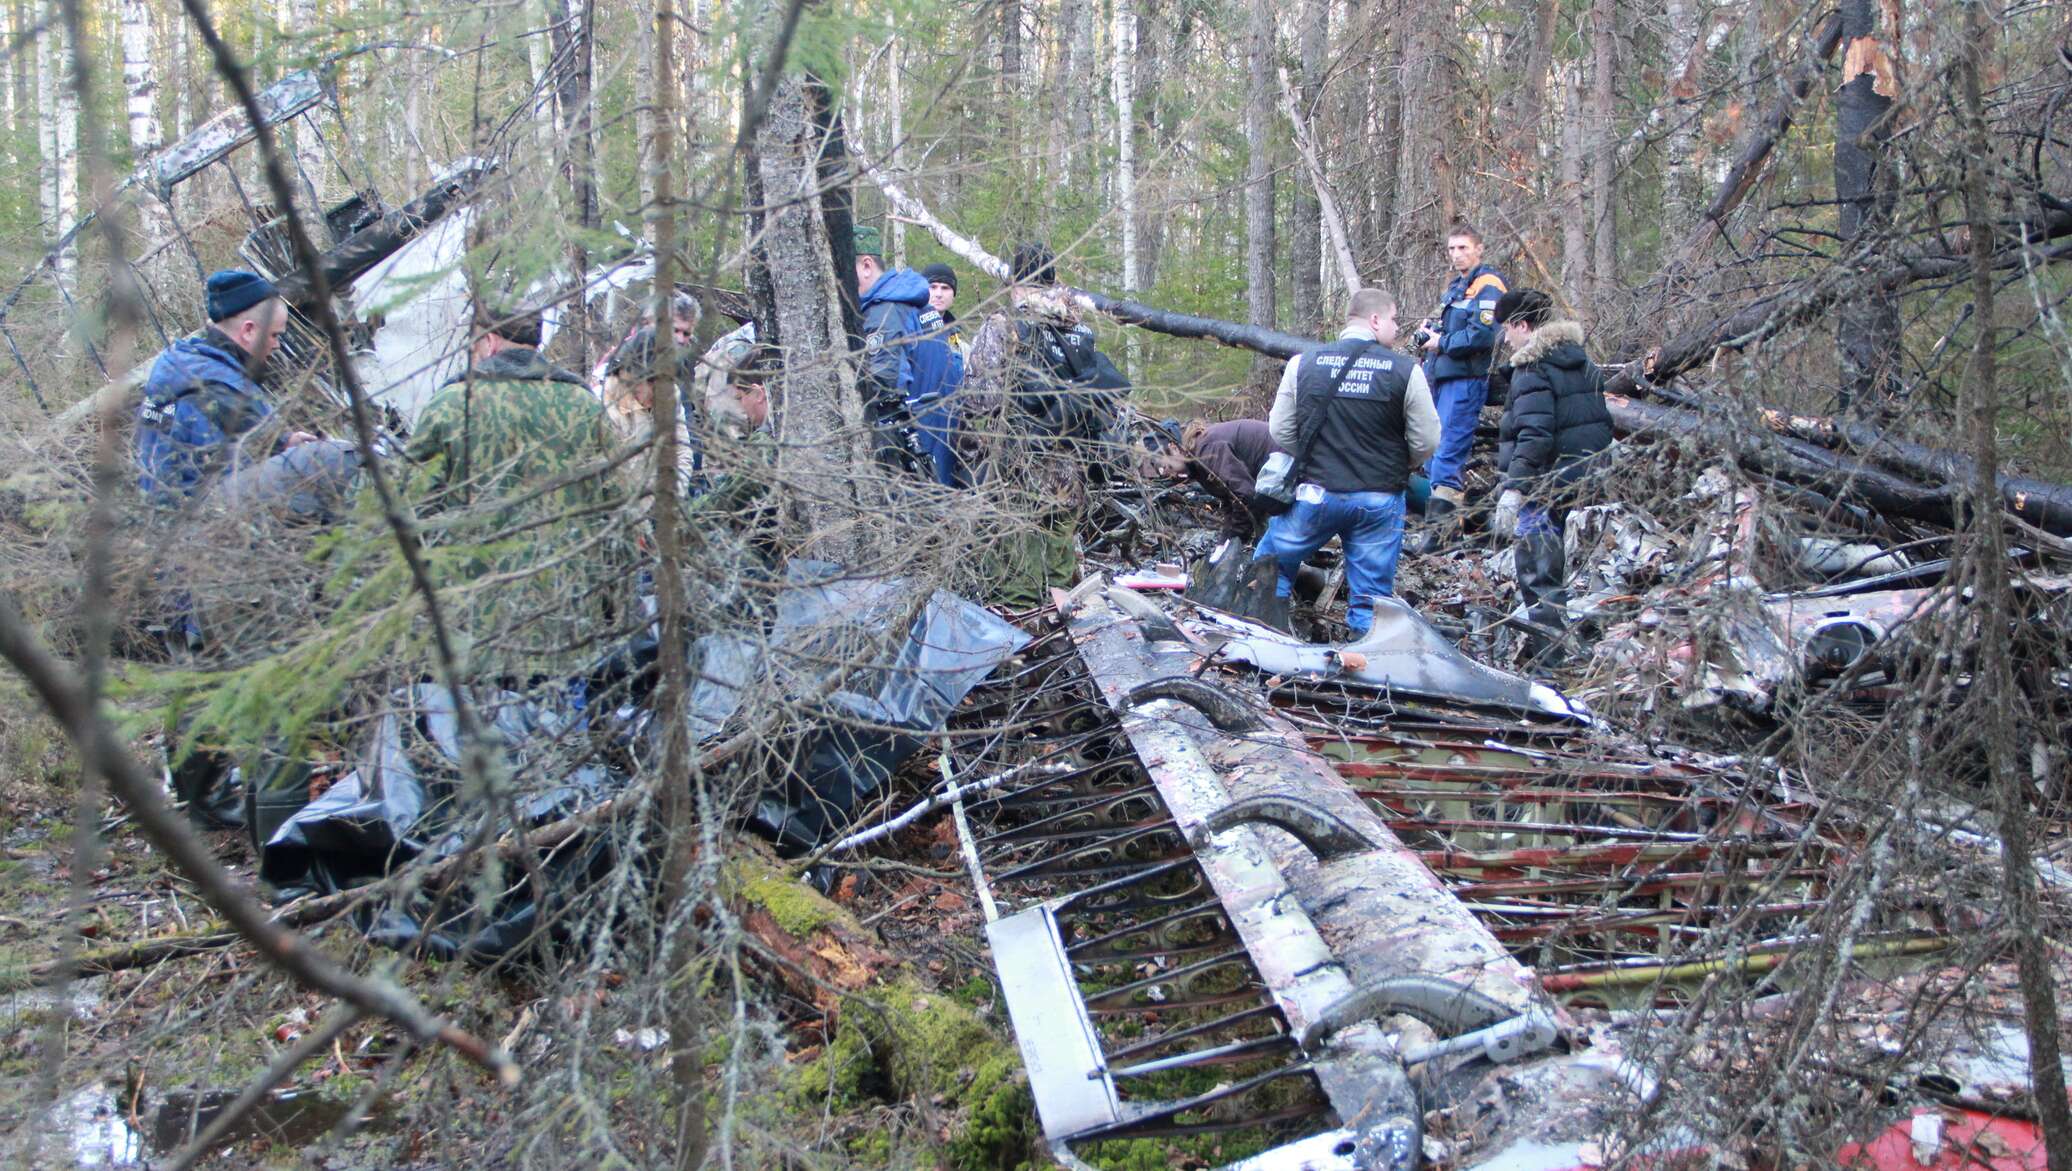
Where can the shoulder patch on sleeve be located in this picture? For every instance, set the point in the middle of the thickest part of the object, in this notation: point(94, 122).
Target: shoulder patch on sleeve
point(1488, 315)
point(874, 341)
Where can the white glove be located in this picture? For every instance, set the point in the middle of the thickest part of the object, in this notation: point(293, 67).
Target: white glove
point(1505, 522)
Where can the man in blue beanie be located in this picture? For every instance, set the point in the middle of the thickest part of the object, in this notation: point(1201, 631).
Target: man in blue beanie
point(203, 392)
point(202, 402)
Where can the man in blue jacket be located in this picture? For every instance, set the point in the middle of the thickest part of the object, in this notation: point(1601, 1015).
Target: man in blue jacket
point(202, 406)
point(905, 362)
point(202, 400)
point(1456, 350)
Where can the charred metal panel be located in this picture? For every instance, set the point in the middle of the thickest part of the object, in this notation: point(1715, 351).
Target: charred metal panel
point(227, 131)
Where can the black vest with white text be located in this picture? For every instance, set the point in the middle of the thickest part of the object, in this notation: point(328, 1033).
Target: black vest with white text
point(1357, 419)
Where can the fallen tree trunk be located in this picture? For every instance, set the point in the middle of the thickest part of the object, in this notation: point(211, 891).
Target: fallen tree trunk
point(1794, 461)
point(1788, 457)
point(2042, 503)
point(1810, 298)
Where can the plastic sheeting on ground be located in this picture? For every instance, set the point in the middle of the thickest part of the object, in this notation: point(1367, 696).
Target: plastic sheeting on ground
point(826, 643)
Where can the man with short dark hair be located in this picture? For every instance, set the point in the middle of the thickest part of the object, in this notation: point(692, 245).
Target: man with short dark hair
point(203, 397)
point(1357, 416)
point(512, 422)
point(1457, 348)
point(905, 362)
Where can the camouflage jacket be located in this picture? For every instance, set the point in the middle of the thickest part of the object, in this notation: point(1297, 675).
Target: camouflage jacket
point(997, 437)
point(510, 425)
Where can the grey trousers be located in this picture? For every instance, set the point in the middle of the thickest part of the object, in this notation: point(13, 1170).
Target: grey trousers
point(312, 482)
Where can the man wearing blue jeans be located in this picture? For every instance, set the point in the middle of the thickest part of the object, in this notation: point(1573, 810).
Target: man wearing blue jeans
point(1456, 354)
point(1357, 416)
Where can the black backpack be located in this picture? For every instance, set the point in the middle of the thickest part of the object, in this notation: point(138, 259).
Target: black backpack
point(1069, 389)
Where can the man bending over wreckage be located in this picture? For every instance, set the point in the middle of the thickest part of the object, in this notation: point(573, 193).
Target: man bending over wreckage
point(514, 449)
point(203, 409)
point(203, 438)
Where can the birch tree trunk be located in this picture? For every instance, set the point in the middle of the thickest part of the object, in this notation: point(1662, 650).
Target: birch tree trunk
point(1867, 327)
point(1305, 221)
point(298, 29)
point(539, 59)
point(1681, 199)
point(1124, 56)
point(57, 115)
point(1604, 149)
point(895, 133)
point(140, 90)
point(1259, 250)
point(1575, 254)
point(10, 80)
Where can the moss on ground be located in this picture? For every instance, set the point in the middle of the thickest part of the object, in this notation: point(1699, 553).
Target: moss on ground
point(905, 1041)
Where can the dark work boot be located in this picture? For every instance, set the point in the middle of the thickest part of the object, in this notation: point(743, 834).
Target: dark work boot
point(1441, 521)
point(208, 786)
point(1543, 588)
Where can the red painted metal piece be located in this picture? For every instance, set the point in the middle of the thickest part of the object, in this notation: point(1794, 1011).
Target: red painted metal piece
point(1971, 1141)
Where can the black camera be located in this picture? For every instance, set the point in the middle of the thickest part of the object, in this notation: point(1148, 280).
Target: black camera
point(1424, 334)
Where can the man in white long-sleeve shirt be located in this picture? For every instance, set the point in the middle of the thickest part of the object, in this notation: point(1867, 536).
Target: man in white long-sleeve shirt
point(1357, 416)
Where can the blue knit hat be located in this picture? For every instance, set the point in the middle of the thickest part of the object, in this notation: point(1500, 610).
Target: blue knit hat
point(233, 290)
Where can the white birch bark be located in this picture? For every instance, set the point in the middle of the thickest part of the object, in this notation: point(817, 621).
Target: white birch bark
point(1125, 55)
point(58, 129)
point(539, 58)
point(10, 109)
point(140, 93)
point(895, 147)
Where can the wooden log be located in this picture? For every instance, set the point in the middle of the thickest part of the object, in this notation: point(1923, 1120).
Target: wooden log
point(2044, 504)
point(1793, 461)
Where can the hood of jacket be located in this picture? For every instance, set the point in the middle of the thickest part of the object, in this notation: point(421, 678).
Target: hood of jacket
point(192, 361)
point(1557, 343)
point(516, 364)
point(901, 286)
point(1052, 305)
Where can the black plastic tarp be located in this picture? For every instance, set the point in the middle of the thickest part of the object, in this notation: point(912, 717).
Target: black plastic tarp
point(824, 638)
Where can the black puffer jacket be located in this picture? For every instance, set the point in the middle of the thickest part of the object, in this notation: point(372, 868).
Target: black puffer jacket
point(1555, 419)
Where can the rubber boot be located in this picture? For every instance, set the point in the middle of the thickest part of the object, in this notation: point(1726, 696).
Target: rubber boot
point(208, 786)
point(1441, 521)
point(1543, 589)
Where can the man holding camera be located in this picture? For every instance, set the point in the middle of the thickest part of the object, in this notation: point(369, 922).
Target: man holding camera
point(1456, 351)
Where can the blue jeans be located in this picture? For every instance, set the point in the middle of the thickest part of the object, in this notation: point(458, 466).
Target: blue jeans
point(1459, 402)
point(1370, 524)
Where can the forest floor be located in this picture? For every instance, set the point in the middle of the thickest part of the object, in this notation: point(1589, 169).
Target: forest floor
point(151, 1049)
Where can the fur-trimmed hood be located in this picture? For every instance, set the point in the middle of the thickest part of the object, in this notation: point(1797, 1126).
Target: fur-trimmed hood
point(1549, 338)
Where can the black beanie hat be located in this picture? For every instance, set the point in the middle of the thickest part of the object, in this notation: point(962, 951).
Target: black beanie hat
point(231, 291)
point(940, 274)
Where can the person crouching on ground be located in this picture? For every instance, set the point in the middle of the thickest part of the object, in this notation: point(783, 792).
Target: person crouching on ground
point(1554, 429)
